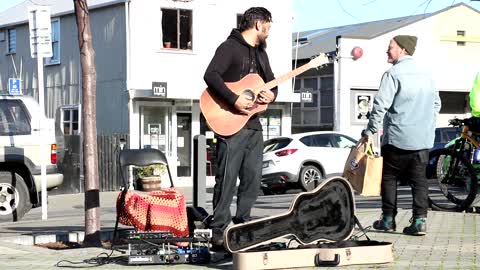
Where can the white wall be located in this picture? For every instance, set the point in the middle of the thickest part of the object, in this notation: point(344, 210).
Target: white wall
point(212, 23)
point(452, 67)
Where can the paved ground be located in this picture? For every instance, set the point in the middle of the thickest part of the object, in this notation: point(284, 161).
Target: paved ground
point(452, 241)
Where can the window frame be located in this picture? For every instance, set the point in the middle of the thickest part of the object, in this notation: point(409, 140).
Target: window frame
point(178, 41)
point(461, 33)
point(55, 42)
point(71, 108)
point(11, 49)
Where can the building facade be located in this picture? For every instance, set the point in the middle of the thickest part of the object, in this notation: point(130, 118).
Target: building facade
point(447, 44)
point(150, 57)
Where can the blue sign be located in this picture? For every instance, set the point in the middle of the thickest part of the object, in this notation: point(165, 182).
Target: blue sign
point(14, 86)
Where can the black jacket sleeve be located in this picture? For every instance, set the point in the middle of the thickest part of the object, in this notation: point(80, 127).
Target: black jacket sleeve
point(215, 70)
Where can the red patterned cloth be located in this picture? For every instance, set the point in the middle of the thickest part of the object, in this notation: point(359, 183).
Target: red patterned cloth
point(163, 210)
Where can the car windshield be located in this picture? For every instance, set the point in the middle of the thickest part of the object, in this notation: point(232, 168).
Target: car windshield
point(345, 141)
point(446, 134)
point(452, 133)
point(275, 144)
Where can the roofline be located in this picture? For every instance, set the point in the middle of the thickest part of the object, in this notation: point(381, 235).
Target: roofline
point(68, 12)
point(420, 17)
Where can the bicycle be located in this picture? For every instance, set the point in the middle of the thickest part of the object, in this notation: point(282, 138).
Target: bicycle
point(451, 173)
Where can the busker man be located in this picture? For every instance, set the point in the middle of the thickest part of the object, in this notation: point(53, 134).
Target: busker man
point(239, 155)
point(407, 104)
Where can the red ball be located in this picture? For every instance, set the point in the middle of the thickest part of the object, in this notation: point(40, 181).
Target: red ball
point(357, 52)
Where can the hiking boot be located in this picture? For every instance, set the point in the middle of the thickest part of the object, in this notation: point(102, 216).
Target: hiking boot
point(418, 226)
point(385, 223)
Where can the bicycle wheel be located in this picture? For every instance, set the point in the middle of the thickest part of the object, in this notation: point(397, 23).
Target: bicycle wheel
point(452, 182)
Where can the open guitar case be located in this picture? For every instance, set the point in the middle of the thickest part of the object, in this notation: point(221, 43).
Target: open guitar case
point(320, 226)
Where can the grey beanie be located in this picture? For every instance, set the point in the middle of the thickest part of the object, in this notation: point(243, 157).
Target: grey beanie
point(406, 42)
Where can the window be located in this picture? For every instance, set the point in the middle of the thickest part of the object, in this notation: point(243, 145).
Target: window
point(70, 120)
point(55, 59)
point(177, 29)
point(320, 110)
point(344, 141)
point(14, 120)
point(454, 102)
point(271, 121)
point(11, 41)
point(322, 140)
point(460, 33)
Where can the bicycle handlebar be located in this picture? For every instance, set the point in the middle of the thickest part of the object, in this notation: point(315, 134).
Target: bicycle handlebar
point(456, 122)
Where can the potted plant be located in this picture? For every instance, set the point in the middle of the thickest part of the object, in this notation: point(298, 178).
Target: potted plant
point(150, 177)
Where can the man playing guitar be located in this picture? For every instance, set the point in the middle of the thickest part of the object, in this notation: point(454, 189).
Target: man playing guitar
point(239, 154)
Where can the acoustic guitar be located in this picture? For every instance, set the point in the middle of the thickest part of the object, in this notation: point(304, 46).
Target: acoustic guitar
point(226, 120)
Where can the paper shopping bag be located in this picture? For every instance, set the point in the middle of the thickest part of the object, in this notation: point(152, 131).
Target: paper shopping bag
point(363, 169)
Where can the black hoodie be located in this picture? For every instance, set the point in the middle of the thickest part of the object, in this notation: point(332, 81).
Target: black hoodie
point(232, 61)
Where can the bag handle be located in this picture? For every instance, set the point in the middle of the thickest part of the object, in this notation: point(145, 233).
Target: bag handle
point(367, 146)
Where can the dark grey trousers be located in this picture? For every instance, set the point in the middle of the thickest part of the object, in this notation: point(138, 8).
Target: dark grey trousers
point(239, 155)
point(406, 165)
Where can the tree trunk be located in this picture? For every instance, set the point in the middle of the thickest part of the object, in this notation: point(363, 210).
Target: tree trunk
point(89, 127)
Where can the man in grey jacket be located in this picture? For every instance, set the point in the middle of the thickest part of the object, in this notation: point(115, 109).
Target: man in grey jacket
point(407, 104)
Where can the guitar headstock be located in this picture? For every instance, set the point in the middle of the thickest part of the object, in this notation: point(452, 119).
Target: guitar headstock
point(321, 59)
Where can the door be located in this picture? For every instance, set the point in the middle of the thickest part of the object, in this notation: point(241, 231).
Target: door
point(184, 145)
point(155, 128)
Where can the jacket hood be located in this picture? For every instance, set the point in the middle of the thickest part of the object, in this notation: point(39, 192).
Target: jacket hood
point(235, 34)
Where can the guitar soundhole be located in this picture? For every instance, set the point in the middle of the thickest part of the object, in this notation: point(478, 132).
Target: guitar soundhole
point(249, 94)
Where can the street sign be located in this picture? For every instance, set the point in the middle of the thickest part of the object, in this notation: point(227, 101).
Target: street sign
point(40, 31)
point(14, 86)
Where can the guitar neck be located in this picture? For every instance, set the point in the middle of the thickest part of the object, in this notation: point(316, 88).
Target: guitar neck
point(279, 80)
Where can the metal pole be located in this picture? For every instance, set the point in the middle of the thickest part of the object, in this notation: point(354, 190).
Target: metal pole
point(199, 171)
point(43, 123)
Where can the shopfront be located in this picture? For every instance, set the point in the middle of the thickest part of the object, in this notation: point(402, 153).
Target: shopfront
point(166, 125)
point(170, 125)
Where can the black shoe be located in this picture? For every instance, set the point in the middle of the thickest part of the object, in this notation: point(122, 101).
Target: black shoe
point(385, 223)
point(217, 240)
point(418, 226)
point(236, 220)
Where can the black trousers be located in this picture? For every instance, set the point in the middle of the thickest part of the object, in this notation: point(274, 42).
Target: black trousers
point(239, 155)
point(406, 165)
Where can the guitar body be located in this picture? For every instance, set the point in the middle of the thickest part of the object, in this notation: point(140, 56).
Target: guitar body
point(225, 119)
point(326, 213)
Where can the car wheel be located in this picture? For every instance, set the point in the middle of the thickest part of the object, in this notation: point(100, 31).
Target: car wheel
point(310, 177)
point(14, 199)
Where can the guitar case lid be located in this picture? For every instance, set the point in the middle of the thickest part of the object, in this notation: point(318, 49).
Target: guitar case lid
point(326, 213)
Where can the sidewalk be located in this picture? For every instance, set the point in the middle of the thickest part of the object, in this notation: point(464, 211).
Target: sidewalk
point(452, 241)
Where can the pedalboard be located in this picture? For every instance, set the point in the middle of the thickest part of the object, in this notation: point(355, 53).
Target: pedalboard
point(165, 248)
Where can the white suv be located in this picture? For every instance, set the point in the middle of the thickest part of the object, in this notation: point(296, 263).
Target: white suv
point(22, 123)
point(303, 160)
